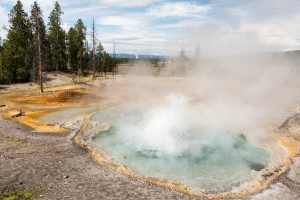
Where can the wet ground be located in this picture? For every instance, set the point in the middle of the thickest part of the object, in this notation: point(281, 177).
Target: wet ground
point(59, 169)
point(54, 165)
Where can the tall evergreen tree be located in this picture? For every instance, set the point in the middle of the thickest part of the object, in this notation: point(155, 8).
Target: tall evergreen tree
point(57, 37)
point(40, 43)
point(99, 60)
point(107, 63)
point(81, 32)
point(86, 57)
point(16, 56)
point(72, 40)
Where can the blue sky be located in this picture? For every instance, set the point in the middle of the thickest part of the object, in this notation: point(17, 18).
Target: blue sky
point(164, 27)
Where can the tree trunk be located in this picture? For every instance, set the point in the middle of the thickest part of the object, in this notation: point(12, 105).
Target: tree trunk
point(114, 61)
point(94, 72)
point(56, 41)
point(40, 62)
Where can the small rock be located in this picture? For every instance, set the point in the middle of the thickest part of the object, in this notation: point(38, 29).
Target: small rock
point(66, 176)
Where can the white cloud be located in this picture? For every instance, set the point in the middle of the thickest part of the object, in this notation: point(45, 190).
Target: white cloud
point(128, 3)
point(46, 5)
point(275, 31)
point(178, 9)
point(3, 15)
point(271, 22)
point(165, 26)
point(116, 21)
point(136, 41)
point(181, 24)
point(65, 26)
point(3, 21)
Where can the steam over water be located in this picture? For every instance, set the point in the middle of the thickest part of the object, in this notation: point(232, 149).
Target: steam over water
point(173, 141)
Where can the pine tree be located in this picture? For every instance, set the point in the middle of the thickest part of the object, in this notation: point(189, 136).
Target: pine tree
point(40, 43)
point(57, 37)
point(78, 47)
point(16, 55)
point(81, 32)
point(86, 57)
point(100, 50)
point(108, 63)
point(72, 40)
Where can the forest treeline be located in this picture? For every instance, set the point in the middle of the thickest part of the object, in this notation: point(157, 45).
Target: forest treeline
point(32, 47)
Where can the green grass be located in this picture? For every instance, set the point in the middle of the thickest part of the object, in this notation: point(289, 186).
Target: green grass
point(23, 195)
point(13, 140)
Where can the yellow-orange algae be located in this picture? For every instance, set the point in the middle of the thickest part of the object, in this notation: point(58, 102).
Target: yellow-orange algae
point(262, 182)
point(39, 104)
point(62, 99)
point(65, 96)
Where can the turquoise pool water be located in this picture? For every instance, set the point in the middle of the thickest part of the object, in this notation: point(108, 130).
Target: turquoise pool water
point(162, 142)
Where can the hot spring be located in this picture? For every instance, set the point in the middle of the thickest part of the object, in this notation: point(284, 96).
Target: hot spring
point(172, 140)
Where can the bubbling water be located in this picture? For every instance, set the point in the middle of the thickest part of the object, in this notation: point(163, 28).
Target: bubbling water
point(169, 141)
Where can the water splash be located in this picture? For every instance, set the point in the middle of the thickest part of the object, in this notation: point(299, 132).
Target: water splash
point(164, 128)
point(170, 141)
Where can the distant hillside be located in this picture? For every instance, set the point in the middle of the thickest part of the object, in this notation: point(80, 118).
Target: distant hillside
point(125, 55)
point(292, 53)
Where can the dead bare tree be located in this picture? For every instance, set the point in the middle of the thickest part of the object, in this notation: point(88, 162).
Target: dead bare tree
point(39, 32)
point(40, 60)
point(94, 48)
point(114, 61)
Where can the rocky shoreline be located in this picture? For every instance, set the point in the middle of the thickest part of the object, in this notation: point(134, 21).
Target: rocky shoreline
point(60, 169)
point(261, 181)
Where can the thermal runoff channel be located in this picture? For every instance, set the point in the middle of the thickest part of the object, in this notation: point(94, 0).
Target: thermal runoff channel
point(174, 141)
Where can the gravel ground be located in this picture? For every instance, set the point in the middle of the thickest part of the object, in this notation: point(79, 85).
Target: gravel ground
point(53, 79)
point(54, 165)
